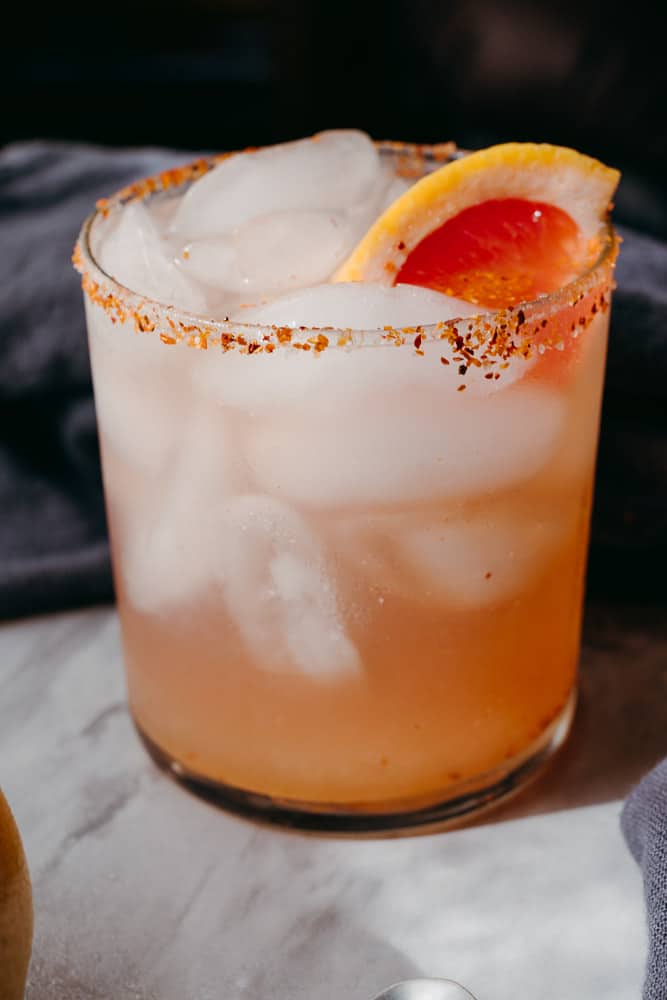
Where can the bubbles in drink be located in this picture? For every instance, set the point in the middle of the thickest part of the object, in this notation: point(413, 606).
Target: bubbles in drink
point(462, 558)
point(481, 561)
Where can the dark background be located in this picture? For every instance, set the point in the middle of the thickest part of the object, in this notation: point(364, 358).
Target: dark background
point(222, 74)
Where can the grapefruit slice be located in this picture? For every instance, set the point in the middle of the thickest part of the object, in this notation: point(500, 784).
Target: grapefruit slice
point(497, 227)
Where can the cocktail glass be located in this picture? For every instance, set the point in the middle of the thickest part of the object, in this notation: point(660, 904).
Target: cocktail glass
point(349, 564)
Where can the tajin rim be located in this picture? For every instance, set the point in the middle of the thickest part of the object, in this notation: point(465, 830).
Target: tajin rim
point(492, 337)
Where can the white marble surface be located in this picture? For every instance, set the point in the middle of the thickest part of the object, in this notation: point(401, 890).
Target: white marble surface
point(143, 892)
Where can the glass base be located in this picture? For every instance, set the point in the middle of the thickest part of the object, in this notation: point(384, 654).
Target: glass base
point(464, 800)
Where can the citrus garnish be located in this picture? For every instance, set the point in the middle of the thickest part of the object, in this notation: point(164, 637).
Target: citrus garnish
point(496, 227)
point(15, 909)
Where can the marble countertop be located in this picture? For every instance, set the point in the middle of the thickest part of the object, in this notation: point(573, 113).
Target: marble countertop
point(144, 892)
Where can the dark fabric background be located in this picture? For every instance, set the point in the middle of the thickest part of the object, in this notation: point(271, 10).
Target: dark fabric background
point(644, 824)
point(230, 73)
point(53, 547)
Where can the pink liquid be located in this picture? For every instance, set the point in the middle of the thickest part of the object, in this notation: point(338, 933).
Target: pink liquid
point(448, 687)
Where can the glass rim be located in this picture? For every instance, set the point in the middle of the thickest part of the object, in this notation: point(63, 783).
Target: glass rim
point(525, 322)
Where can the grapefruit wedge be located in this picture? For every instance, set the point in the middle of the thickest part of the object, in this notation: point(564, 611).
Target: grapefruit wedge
point(497, 227)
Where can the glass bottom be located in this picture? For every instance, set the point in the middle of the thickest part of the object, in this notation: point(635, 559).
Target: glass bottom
point(461, 802)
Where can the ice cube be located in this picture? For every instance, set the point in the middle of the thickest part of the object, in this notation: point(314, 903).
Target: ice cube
point(463, 559)
point(405, 446)
point(140, 396)
point(279, 591)
point(135, 254)
point(582, 380)
point(358, 306)
point(271, 253)
point(171, 547)
point(314, 632)
point(342, 377)
point(212, 261)
point(394, 189)
point(361, 216)
point(287, 250)
point(288, 376)
point(483, 560)
point(327, 173)
point(254, 555)
point(231, 379)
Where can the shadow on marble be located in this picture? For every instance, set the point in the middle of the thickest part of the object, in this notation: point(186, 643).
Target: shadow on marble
point(620, 726)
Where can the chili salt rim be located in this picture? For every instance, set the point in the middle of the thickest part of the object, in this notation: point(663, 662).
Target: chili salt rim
point(489, 339)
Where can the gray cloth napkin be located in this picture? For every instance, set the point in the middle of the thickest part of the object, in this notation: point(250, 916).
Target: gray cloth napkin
point(644, 823)
point(53, 545)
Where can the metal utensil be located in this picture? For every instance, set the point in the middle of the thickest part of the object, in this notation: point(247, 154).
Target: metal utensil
point(425, 989)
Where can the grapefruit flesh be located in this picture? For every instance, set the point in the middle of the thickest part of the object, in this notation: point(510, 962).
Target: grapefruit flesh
point(498, 253)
